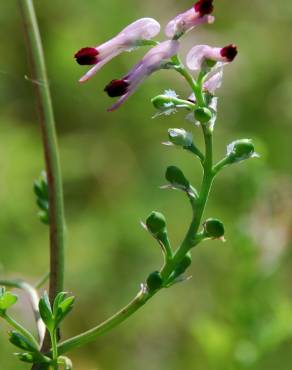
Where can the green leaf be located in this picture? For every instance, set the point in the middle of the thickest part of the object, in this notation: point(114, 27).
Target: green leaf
point(46, 312)
point(63, 309)
point(7, 299)
point(43, 204)
point(22, 342)
point(33, 358)
point(58, 300)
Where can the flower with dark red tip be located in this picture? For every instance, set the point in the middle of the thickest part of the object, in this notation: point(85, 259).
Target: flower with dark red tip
point(229, 52)
point(184, 22)
point(87, 56)
point(117, 88)
point(129, 38)
point(204, 7)
point(155, 59)
point(200, 53)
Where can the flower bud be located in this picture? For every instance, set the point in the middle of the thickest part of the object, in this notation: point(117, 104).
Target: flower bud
point(176, 177)
point(161, 101)
point(203, 115)
point(183, 265)
point(154, 281)
point(180, 137)
point(156, 223)
point(214, 228)
point(240, 150)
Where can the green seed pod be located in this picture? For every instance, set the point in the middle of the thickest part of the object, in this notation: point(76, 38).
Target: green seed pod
point(180, 137)
point(240, 150)
point(183, 265)
point(154, 281)
point(176, 177)
point(214, 228)
point(156, 223)
point(203, 115)
point(161, 101)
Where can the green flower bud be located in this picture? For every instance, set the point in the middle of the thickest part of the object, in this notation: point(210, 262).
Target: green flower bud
point(183, 265)
point(162, 101)
point(154, 281)
point(214, 228)
point(240, 150)
point(180, 137)
point(176, 177)
point(203, 115)
point(156, 223)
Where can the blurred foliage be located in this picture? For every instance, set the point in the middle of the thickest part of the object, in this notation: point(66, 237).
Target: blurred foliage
point(236, 312)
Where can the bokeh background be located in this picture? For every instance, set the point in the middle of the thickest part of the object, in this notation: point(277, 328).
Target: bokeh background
point(236, 311)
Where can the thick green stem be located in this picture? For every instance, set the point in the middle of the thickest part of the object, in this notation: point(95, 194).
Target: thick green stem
point(57, 222)
point(90, 335)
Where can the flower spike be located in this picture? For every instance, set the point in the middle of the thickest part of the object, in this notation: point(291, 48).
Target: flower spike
point(126, 40)
point(201, 53)
point(154, 60)
point(184, 22)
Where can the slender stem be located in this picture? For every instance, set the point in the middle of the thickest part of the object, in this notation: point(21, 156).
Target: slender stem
point(196, 88)
point(224, 162)
point(33, 299)
point(90, 335)
point(54, 349)
point(15, 325)
point(57, 222)
point(191, 236)
point(42, 281)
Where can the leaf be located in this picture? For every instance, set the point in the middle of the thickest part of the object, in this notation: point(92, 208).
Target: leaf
point(46, 312)
point(58, 300)
point(33, 358)
point(63, 309)
point(7, 299)
point(20, 341)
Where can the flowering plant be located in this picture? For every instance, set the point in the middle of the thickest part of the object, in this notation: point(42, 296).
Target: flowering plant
point(207, 62)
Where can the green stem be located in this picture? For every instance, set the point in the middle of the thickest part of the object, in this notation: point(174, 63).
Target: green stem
point(90, 335)
point(42, 281)
point(54, 349)
point(19, 328)
point(57, 222)
point(218, 167)
point(33, 299)
point(190, 241)
point(191, 236)
point(196, 87)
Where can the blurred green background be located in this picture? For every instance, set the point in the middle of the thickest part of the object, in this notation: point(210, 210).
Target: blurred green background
point(236, 311)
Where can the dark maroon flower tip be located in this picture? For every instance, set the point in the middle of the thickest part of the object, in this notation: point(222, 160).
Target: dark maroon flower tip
point(116, 88)
point(86, 56)
point(229, 52)
point(204, 7)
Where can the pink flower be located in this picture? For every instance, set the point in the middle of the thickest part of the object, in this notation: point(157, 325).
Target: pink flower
point(193, 17)
point(126, 40)
point(154, 60)
point(200, 53)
